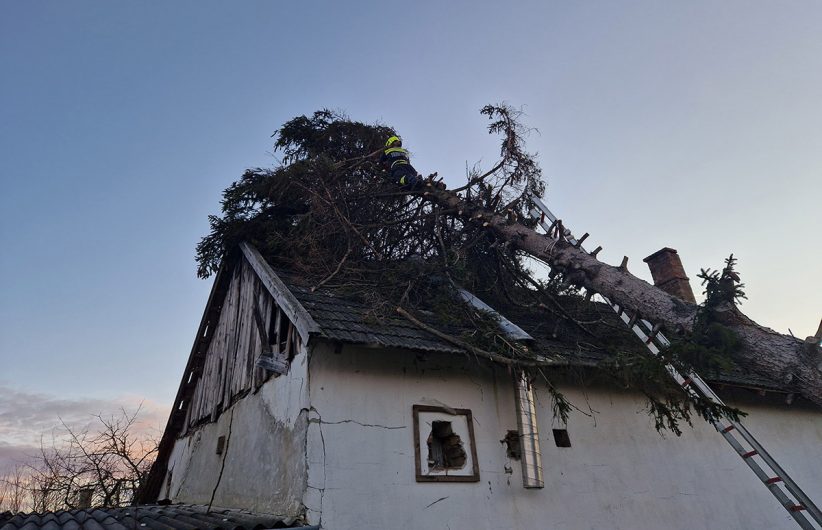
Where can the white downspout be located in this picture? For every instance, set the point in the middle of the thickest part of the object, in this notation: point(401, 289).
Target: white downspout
point(528, 432)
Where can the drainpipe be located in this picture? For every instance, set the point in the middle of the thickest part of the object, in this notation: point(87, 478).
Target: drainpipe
point(528, 432)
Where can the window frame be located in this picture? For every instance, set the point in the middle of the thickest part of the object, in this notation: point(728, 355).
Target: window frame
point(475, 474)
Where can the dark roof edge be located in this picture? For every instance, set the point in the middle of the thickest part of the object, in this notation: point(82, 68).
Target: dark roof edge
point(293, 309)
point(150, 489)
point(563, 363)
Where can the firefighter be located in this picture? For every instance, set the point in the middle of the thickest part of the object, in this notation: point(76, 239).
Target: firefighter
point(398, 162)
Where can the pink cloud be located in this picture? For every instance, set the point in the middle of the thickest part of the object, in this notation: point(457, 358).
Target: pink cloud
point(26, 418)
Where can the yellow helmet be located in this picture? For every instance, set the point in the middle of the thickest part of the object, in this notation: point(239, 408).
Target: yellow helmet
point(391, 141)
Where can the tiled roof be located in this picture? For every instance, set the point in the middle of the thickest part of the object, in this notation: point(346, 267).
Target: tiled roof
point(170, 517)
point(348, 321)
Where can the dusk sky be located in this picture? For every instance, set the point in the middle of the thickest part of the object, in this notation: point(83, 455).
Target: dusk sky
point(695, 125)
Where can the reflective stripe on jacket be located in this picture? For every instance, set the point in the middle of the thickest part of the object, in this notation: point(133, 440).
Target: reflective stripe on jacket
point(394, 156)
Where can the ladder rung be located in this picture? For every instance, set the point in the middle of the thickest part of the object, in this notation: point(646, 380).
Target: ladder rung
point(691, 384)
point(654, 332)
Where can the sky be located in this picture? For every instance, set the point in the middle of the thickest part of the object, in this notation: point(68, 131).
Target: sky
point(693, 125)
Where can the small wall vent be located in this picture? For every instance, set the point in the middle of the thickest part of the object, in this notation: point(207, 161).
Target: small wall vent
point(561, 438)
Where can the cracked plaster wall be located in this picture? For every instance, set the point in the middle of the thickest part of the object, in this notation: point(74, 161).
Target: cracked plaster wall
point(263, 465)
point(619, 473)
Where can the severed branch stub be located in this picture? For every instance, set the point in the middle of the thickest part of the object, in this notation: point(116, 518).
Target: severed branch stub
point(624, 265)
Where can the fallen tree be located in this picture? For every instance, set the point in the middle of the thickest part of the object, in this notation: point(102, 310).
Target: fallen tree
point(329, 215)
point(765, 351)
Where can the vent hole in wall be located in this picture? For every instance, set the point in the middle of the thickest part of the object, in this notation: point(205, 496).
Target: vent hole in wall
point(445, 450)
point(512, 445)
point(561, 438)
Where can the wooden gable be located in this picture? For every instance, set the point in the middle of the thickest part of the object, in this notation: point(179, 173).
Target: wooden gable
point(255, 327)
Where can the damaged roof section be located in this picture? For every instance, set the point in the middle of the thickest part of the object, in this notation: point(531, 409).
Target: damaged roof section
point(511, 330)
point(338, 318)
point(351, 322)
point(348, 321)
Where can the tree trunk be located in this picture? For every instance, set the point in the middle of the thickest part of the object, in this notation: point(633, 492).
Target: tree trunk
point(782, 358)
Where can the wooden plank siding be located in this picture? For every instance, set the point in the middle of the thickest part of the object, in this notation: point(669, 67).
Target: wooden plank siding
point(229, 369)
point(221, 367)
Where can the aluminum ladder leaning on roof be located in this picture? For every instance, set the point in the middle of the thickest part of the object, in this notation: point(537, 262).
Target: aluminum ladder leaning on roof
point(769, 472)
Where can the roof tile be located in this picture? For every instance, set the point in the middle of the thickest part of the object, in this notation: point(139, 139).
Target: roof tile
point(171, 517)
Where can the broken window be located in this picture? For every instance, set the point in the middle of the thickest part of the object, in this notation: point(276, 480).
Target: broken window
point(445, 447)
point(281, 344)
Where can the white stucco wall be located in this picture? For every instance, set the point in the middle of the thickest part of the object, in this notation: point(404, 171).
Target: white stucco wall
point(263, 466)
point(619, 472)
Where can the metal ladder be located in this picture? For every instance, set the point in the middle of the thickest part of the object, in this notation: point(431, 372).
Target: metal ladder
point(769, 472)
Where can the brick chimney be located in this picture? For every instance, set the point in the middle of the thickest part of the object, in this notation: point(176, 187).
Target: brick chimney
point(669, 275)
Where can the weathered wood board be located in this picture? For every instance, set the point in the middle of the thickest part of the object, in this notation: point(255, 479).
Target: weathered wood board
point(250, 326)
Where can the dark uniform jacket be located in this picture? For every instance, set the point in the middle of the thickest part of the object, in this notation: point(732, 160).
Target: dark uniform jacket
point(398, 162)
point(394, 156)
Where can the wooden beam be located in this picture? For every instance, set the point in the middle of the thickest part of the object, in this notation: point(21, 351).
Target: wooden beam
point(261, 327)
point(272, 364)
point(296, 313)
